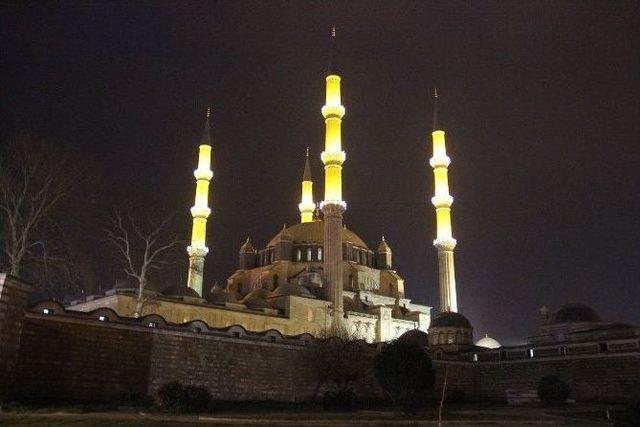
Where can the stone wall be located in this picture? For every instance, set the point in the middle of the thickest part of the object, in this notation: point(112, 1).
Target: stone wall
point(601, 377)
point(77, 357)
point(13, 297)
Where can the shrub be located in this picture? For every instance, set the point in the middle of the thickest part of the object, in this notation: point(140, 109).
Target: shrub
point(404, 372)
point(553, 391)
point(173, 397)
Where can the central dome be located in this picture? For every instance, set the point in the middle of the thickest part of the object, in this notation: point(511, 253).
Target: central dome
point(313, 232)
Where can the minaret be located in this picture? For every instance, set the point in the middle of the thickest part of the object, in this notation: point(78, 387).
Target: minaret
point(306, 205)
point(200, 212)
point(333, 206)
point(442, 200)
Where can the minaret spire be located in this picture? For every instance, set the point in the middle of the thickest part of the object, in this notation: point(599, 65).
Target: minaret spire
point(306, 205)
point(435, 108)
point(442, 201)
point(333, 206)
point(200, 211)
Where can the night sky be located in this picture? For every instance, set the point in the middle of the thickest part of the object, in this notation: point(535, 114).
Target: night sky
point(540, 102)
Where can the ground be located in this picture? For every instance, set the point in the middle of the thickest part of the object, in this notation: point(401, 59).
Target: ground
point(576, 415)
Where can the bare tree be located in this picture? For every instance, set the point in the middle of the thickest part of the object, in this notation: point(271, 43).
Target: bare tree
point(35, 179)
point(142, 250)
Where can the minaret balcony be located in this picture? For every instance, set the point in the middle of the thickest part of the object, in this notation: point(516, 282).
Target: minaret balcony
point(442, 201)
point(333, 111)
point(197, 250)
point(333, 158)
point(445, 244)
point(203, 174)
point(200, 212)
point(307, 207)
point(440, 161)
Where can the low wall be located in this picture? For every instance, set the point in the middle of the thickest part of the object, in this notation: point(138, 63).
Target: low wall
point(13, 297)
point(79, 358)
point(600, 377)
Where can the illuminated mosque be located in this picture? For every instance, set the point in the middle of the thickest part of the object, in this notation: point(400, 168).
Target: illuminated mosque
point(314, 274)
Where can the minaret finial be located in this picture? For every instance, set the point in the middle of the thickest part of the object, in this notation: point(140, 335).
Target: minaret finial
point(332, 54)
point(435, 108)
point(333, 31)
point(208, 112)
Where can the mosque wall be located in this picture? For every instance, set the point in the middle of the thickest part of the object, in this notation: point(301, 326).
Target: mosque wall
point(76, 357)
point(600, 377)
point(13, 297)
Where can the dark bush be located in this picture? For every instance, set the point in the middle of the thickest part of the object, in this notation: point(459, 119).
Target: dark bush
point(173, 397)
point(404, 372)
point(553, 391)
point(345, 400)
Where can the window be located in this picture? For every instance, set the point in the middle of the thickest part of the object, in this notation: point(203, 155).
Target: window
point(102, 318)
point(47, 311)
point(603, 347)
point(298, 254)
point(153, 325)
point(271, 256)
point(563, 350)
point(530, 352)
point(319, 254)
point(308, 254)
point(475, 357)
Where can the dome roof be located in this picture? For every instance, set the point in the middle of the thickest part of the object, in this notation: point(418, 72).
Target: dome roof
point(287, 288)
point(417, 336)
point(256, 299)
point(574, 313)
point(218, 295)
point(488, 342)
point(247, 247)
point(450, 319)
point(180, 291)
point(383, 246)
point(313, 232)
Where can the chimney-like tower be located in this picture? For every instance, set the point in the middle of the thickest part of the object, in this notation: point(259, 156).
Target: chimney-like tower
point(442, 200)
point(306, 206)
point(200, 212)
point(333, 206)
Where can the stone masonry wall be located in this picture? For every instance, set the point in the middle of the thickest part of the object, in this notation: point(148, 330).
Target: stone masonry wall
point(13, 297)
point(601, 377)
point(84, 359)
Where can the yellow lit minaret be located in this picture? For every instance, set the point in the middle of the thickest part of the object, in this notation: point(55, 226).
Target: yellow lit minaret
point(442, 200)
point(306, 205)
point(200, 211)
point(333, 206)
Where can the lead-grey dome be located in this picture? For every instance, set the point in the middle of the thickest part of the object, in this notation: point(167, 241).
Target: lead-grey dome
point(313, 232)
point(450, 319)
point(575, 313)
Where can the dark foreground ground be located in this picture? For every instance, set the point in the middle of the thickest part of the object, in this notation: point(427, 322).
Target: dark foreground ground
point(576, 415)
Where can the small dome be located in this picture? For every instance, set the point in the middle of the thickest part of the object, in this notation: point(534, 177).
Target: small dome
point(247, 247)
point(383, 246)
point(575, 313)
point(488, 342)
point(450, 319)
point(417, 336)
point(313, 233)
point(256, 299)
point(180, 291)
point(286, 288)
point(218, 295)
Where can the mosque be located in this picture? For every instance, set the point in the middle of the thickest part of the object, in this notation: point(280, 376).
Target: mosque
point(311, 275)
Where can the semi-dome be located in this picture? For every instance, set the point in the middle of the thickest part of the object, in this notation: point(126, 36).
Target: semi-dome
point(313, 232)
point(450, 319)
point(257, 299)
point(180, 291)
point(416, 336)
point(218, 295)
point(488, 342)
point(575, 313)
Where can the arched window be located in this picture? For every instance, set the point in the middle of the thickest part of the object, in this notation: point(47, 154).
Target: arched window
point(308, 254)
point(272, 256)
point(319, 254)
point(298, 254)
